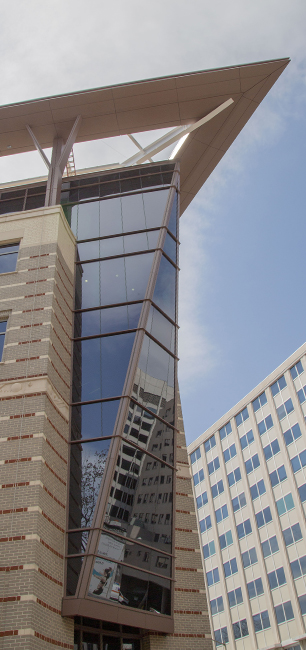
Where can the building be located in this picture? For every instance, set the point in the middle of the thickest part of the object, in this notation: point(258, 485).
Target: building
point(98, 536)
point(250, 495)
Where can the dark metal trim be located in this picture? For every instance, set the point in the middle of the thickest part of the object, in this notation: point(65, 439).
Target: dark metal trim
point(114, 257)
point(120, 234)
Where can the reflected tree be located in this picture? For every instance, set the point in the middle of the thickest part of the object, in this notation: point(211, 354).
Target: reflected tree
point(92, 472)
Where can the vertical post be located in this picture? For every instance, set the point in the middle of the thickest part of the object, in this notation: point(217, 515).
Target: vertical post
point(55, 177)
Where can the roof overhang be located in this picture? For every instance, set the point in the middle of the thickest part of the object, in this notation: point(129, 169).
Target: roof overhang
point(166, 102)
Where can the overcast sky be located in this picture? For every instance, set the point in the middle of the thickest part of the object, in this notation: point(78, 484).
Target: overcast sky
point(242, 305)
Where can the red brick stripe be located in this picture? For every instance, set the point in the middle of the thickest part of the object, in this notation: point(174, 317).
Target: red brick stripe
point(59, 261)
point(56, 452)
point(9, 599)
point(52, 609)
point(51, 522)
point(181, 548)
point(32, 257)
point(27, 342)
point(47, 575)
point(36, 281)
point(23, 415)
point(52, 425)
point(17, 538)
point(194, 636)
point(51, 549)
point(25, 311)
point(184, 530)
point(35, 295)
point(183, 568)
point(197, 591)
point(22, 327)
point(53, 472)
point(11, 485)
point(9, 633)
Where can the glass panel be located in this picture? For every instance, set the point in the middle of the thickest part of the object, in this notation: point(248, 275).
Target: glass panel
point(116, 319)
point(154, 207)
point(15, 205)
point(165, 288)
point(161, 329)
point(8, 263)
point(140, 503)
point(77, 542)
point(140, 556)
point(9, 248)
point(91, 641)
point(130, 644)
point(104, 363)
point(112, 643)
point(87, 465)
point(85, 220)
point(3, 324)
point(93, 420)
point(118, 245)
point(74, 566)
point(170, 247)
point(114, 281)
point(154, 381)
point(149, 433)
point(172, 225)
point(127, 586)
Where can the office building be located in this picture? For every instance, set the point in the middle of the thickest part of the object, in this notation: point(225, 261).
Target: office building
point(99, 539)
point(250, 494)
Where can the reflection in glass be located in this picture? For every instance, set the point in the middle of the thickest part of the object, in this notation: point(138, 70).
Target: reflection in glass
point(93, 420)
point(115, 319)
point(87, 466)
point(150, 433)
point(77, 542)
point(156, 367)
point(172, 225)
point(132, 553)
point(170, 247)
point(161, 329)
point(118, 245)
point(165, 288)
point(128, 586)
point(116, 280)
point(74, 565)
point(104, 363)
point(155, 205)
point(140, 502)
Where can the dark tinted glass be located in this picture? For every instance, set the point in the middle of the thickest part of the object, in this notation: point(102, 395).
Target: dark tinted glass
point(74, 566)
point(130, 587)
point(102, 321)
point(93, 420)
point(77, 542)
point(117, 280)
point(127, 551)
point(87, 465)
point(165, 288)
point(161, 329)
point(103, 362)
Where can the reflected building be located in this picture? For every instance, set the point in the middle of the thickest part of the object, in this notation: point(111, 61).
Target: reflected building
point(97, 499)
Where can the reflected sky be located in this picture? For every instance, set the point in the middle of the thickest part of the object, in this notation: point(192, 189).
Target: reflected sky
point(118, 245)
point(93, 420)
point(116, 280)
point(156, 363)
point(165, 288)
point(161, 329)
point(115, 319)
point(104, 365)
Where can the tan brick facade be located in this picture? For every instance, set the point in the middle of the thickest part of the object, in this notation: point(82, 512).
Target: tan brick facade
point(34, 417)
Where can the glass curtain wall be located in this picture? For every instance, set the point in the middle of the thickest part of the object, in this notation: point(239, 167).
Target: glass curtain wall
point(123, 394)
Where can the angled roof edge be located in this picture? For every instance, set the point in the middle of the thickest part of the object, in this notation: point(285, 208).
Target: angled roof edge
point(164, 102)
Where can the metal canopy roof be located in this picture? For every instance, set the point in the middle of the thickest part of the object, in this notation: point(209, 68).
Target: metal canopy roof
point(148, 105)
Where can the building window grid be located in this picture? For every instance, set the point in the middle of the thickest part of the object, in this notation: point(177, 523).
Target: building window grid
point(273, 550)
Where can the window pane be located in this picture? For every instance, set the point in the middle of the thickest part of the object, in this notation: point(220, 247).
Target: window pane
point(172, 225)
point(102, 321)
point(8, 262)
point(165, 288)
point(114, 281)
point(104, 362)
point(161, 329)
point(136, 503)
point(93, 420)
point(131, 587)
point(87, 465)
point(170, 247)
point(154, 208)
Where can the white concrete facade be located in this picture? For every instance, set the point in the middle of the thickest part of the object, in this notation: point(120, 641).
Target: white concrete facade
point(251, 508)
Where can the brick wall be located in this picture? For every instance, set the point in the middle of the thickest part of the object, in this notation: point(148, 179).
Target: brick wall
point(34, 409)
